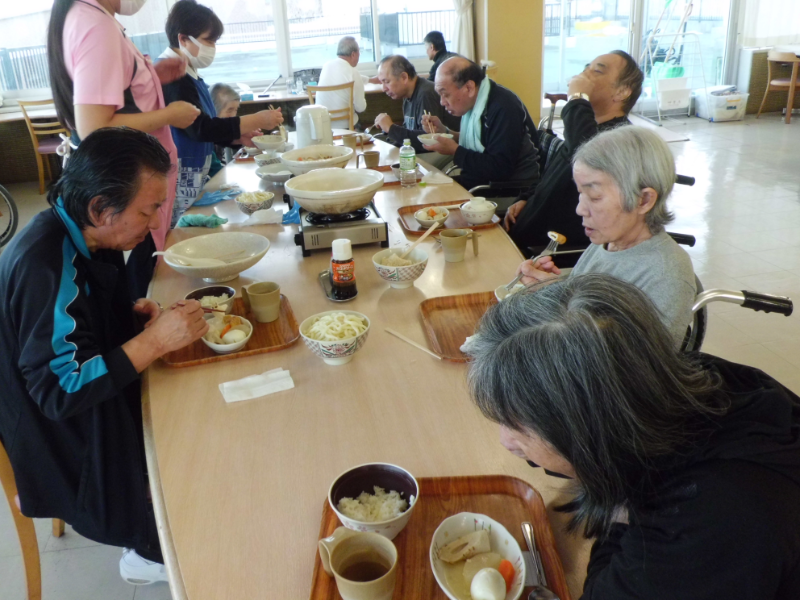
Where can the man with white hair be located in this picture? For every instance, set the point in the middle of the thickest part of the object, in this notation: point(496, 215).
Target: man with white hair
point(343, 70)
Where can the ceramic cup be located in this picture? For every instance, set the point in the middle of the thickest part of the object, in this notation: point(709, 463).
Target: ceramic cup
point(350, 140)
point(263, 299)
point(364, 564)
point(371, 159)
point(454, 243)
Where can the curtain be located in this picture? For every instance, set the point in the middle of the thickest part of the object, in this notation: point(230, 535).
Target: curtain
point(771, 23)
point(463, 37)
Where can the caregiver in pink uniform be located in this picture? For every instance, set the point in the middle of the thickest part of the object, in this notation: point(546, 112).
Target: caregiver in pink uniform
point(100, 79)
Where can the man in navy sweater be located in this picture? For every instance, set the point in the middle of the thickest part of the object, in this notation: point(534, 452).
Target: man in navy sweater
point(496, 141)
point(73, 345)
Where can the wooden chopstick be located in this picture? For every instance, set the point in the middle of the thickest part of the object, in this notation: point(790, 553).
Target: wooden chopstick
point(413, 343)
point(205, 310)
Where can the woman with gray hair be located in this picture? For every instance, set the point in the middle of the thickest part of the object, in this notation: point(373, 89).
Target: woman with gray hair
point(686, 466)
point(624, 177)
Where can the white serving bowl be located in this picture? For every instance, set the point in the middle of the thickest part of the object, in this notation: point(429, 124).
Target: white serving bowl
point(249, 208)
point(428, 139)
point(214, 290)
point(311, 155)
point(212, 245)
point(501, 293)
point(426, 221)
point(269, 142)
point(401, 277)
point(230, 348)
point(503, 543)
point(276, 173)
point(334, 191)
point(478, 216)
point(363, 478)
point(252, 151)
point(339, 352)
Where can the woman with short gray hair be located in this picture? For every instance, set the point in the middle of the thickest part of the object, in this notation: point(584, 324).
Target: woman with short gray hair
point(624, 177)
point(686, 466)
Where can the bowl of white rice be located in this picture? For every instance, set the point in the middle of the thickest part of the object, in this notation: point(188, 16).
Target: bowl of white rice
point(400, 272)
point(374, 497)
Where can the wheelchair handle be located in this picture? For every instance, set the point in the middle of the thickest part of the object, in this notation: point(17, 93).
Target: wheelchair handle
point(752, 300)
point(684, 239)
point(684, 180)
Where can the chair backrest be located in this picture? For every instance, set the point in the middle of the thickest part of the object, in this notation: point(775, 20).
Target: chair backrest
point(348, 112)
point(25, 530)
point(41, 126)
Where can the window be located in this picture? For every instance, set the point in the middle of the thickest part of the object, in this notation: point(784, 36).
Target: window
point(404, 24)
point(23, 60)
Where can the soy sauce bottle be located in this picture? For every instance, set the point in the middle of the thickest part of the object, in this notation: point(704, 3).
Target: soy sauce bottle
point(343, 271)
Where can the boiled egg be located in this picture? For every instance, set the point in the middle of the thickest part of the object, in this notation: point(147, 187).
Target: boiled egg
point(234, 336)
point(488, 584)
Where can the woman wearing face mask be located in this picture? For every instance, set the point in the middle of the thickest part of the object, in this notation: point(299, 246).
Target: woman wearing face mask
point(193, 30)
point(100, 79)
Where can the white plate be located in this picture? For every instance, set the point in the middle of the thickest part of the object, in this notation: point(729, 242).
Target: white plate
point(503, 543)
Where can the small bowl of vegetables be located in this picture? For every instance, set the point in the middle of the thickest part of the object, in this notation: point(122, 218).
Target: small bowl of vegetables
point(227, 333)
point(430, 215)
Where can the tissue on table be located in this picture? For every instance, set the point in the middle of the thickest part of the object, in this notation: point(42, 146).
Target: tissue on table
point(266, 216)
point(256, 386)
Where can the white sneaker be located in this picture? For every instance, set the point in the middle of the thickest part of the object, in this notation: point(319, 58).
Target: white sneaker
point(139, 571)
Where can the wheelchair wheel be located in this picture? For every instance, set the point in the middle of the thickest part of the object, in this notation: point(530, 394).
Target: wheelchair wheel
point(9, 218)
point(696, 332)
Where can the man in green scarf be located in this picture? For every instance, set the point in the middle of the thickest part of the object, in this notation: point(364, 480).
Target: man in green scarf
point(496, 141)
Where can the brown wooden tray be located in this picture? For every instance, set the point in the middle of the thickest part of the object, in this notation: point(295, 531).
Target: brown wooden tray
point(455, 220)
point(449, 320)
point(267, 337)
point(508, 500)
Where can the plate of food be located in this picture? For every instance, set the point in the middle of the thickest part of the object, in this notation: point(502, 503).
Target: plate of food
point(474, 557)
point(227, 333)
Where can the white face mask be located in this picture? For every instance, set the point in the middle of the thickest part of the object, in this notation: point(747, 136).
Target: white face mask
point(203, 59)
point(130, 7)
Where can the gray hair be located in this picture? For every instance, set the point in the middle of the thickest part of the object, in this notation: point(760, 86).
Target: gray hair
point(347, 45)
point(586, 364)
point(635, 158)
point(221, 94)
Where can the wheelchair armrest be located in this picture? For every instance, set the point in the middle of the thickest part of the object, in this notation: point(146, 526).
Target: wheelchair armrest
point(683, 238)
point(555, 97)
point(451, 169)
point(503, 185)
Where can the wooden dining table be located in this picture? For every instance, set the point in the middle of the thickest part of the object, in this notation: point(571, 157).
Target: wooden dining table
point(239, 488)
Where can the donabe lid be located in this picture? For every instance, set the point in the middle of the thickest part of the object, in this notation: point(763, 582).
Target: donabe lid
point(342, 249)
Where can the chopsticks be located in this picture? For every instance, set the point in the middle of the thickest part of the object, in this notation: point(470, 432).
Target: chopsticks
point(205, 310)
point(413, 343)
point(427, 114)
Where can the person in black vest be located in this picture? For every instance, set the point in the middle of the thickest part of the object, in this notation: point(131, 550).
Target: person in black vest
point(436, 50)
point(73, 345)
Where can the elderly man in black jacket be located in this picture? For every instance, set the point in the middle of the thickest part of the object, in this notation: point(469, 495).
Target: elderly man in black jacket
point(496, 140)
point(73, 345)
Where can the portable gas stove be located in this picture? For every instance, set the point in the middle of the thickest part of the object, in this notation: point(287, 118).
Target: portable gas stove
point(362, 226)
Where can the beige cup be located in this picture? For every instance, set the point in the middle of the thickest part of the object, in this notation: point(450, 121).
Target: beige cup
point(371, 159)
point(454, 243)
point(350, 140)
point(263, 300)
point(364, 565)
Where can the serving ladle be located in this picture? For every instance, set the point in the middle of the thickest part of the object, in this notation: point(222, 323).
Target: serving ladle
point(422, 237)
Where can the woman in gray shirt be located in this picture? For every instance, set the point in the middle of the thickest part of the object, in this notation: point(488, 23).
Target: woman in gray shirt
point(624, 177)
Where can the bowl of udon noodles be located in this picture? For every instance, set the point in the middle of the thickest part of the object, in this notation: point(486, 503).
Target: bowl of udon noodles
point(335, 335)
point(309, 158)
point(399, 272)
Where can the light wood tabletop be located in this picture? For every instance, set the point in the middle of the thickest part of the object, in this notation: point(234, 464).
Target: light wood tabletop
point(284, 95)
point(239, 489)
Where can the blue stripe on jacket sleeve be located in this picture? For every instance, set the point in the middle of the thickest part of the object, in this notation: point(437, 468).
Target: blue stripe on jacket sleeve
point(71, 376)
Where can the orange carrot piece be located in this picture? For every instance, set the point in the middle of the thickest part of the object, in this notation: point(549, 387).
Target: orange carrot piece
point(507, 571)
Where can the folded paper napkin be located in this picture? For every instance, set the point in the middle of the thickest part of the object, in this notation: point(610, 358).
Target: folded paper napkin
point(255, 386)
point(209, 198)
point(436, 177)
point(266, 216)
point(201, 221)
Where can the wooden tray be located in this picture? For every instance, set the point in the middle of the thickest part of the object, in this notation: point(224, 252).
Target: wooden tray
point(449, 320)
point(508, 500)
point(267, 337)
point(455, 220)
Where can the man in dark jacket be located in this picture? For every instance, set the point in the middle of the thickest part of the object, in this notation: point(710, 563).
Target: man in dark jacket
point(400, 80)
point(73, 346)
point(599, 99)
point(436, 50)
point(495, 142)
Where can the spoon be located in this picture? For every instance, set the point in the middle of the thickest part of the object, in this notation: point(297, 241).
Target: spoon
point(539, 591)
point(192, 262)
point(422, 237)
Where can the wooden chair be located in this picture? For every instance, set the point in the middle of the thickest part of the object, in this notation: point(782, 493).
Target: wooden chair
point(43, 132)
point(782, 84)
point(25, 530)
point(348, 112)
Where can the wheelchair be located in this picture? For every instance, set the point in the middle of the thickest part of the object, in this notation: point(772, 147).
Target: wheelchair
point(9, 217)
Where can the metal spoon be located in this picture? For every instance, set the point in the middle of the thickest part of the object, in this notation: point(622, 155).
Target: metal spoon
point(539, 592)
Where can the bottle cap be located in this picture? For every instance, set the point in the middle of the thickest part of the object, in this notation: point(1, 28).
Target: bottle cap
point(406, 142)
point(342, 249)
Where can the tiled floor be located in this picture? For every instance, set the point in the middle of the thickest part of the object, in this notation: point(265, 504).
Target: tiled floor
point(745, 212)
